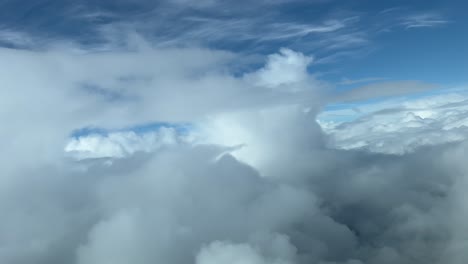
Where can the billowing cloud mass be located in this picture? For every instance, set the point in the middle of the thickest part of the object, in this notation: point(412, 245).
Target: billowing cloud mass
point(282, 70)
point(235, 168)
point(397, 126)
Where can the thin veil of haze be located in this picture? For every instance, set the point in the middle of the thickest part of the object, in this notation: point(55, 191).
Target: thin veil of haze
point(214, 132)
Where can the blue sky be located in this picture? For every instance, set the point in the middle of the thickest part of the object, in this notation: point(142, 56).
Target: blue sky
point(353, 43)
point(407, 40)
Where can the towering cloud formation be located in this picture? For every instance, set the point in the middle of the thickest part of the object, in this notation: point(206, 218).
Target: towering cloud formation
point(253, 180)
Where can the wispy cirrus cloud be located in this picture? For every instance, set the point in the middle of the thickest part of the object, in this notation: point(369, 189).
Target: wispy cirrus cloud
point(400, 16)
point(423, 20)
point(261, 29)
point(184, 23)
point(15, 38)
point(347, 81)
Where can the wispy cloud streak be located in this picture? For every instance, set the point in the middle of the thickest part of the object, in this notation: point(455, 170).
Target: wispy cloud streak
point(423, 20)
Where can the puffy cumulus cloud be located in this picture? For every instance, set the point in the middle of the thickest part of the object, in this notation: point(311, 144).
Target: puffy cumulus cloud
point(257, 183)
point(166, 212)
point(255, 132)
point(282, 70)
point(224, 252)
point(397, 126)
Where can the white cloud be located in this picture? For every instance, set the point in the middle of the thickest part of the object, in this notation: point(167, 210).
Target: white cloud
point(260, 30)
point(219, 252)
point(282, 70)
point(269, 125)
point(423, 20)
point(400, 126)
point(284, 197)
point(224, 252)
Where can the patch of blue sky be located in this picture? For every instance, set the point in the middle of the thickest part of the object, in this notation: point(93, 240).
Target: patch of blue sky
point(339, 113)
point(182, 129)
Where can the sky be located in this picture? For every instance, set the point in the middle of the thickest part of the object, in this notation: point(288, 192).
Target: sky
point(233, 132)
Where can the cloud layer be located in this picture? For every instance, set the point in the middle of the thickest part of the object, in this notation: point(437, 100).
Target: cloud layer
point(397, 126)
point(253, 181)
